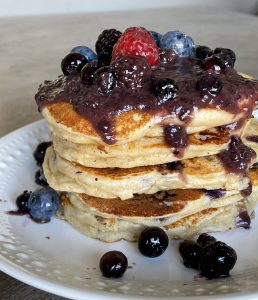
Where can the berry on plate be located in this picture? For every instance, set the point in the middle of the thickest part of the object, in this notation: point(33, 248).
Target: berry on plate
point(85, 51)
point(22, 201)
point(113, 264)
point(176, 40)
point(190, 252)
point(137, 41)
point(40, 152)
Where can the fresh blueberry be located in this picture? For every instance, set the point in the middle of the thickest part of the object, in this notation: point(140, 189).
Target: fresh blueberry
point(157, 37)
point(113, 264)
point(40, 178)
point(153, 242)
point(209, 84)
point(43, 204)
point(85, 51)
point(165, 89)
point(231, 54)
point(190, 252)
point(87, 72)
point(40, 152)
point(203, 52)
point(216, 260)
point(72, 63)
point(204, 239)
point(182, 44)
point(22, 201)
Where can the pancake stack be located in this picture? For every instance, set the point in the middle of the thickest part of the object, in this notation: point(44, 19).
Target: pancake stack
point(128, 158)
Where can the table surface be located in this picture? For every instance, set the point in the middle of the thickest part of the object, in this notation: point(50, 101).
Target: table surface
point(32, 48)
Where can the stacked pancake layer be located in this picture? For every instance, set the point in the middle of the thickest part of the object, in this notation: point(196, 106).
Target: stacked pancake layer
point(127, 159)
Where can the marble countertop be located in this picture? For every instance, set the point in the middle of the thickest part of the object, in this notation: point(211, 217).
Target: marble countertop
point(32, 48)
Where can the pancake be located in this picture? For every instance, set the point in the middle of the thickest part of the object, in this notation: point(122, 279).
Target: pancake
point(205, 221)
point(196, 173)
point(143, 152)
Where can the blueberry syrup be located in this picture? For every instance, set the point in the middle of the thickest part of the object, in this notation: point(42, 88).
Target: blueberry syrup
point(243, 220)
point(215, 194)
point(252, 138)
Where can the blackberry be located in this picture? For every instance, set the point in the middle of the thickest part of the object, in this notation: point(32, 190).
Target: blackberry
point(104, 45)
point(131, 71)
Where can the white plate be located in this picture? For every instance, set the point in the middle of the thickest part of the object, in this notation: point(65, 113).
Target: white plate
point(57, 258)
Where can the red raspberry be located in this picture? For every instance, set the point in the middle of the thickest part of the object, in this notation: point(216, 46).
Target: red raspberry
point(137, 41)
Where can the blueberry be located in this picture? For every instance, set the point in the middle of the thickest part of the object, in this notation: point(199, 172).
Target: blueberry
point(165, 89)
point(40, 178)
point(40, 152)
point(22, 201)
point(190, 252)
point(87, 72)
point(209, 84)
point(43, 204)
point(153, 242)
point(72, 63)
point(105, 79)
point(216, 260)
point(182, 44)
point(113, 264)
point(157, 37)
point(213, 63)
point(203, 52)
point(231, 54)
point(225, 59)
point(85, 51)
point(205, 239)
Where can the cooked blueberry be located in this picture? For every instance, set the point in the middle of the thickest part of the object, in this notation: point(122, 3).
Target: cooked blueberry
point(85, 51)
point(72, 63)
point(213, 63)
point(157, 37)
point(113, 264)
point(190, 252)
point(203, 52)
point(205, 239)
point(153, 242)
point(40, 178)
point(165, 89)
point(40, 152)
point(217, 259)
point(105, 43)
point(43, 204)
point(209, 84)
point(182, 44)
point(225, 59)
point(229, 52)
point(22, 201)
point(166, 55)
point(87, 72)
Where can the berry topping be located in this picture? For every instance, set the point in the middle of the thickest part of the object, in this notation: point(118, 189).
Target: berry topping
point(209, 84)
point(87, 72)
point(203, 52)
point(105, 80)
point(40, 178)
point(216, 260)
point(43, 204)
point(205, 239)
point(113, 264)
point(86, 52)
point(165, 89)
point(226, 51)
point(22, 202)
point(104, 45)
point(153, 242)
point(40, 152)
point(190, 252)
point(157, 37)
point(167, 55)
point(182, 44)
point(131, 72)
point(225, 59)
point(72, 63)
point(213, 63)
point(137, 41)
point(176, 136)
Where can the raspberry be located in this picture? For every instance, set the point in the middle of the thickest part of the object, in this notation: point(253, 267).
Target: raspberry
point(137, 41)
point(104, 45)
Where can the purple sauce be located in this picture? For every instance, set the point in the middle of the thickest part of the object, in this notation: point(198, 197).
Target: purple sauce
point(252, 138)
point(215, 194)
point(243, 220)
